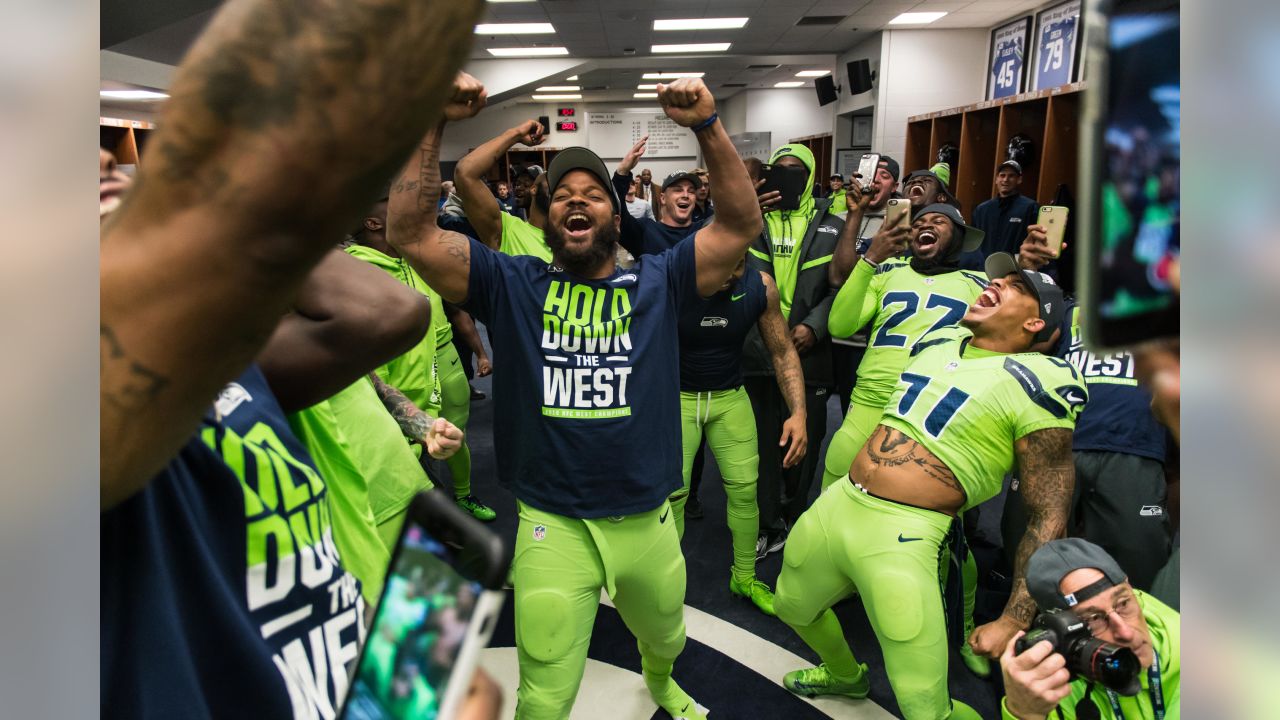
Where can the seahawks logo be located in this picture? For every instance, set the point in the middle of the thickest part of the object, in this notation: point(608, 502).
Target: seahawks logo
point(714, 322)
point(230, 398)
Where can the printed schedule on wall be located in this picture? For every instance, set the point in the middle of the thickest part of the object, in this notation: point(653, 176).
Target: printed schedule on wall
point(613, 133)
point(1057, 31)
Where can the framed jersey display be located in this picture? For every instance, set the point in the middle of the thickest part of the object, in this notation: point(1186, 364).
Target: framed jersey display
point(1057, 45)
point(1007, 69)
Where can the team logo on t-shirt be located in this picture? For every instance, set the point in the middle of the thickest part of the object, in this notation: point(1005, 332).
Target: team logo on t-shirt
point(586, 349)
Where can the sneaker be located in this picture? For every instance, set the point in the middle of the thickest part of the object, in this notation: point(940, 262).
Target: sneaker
point(777, 541)
point(762, 546)
point(813, 681)
point(476, 394)
point(977, 664)
point(757, 592)
point(478, 510)
point(693, 509)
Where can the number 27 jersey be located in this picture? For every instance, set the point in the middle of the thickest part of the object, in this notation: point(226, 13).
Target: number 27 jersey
point(968, 406)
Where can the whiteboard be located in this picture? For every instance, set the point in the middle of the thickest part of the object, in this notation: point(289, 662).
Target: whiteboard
point(612, 134)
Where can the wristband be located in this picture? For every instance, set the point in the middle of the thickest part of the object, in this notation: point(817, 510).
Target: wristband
point(868, 260)
point(706, 123)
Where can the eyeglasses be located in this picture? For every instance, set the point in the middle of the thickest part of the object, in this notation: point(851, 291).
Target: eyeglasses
point(1126, 606)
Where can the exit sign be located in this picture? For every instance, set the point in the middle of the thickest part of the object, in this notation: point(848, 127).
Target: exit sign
point(567, 126)
point(566, 112)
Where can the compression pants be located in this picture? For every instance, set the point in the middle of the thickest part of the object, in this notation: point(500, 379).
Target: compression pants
point(726, 418)
point(455, 397)
point(559, 568)
point(889, 553)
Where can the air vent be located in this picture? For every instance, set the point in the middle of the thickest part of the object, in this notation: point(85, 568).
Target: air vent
point(734, 85)
point(761, 67)
point(819, 20)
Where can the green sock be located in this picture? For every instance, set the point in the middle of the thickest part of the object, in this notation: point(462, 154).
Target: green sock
point(826, 638)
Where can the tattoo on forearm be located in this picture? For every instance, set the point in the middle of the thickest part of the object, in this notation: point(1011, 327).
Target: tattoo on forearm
point(413, 422)
point(126, 383)
point(786, 361)
point(892, 448)
point(1046, 473)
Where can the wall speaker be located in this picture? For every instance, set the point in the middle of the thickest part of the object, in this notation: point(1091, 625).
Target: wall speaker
point(859, 76)
point(827, 90)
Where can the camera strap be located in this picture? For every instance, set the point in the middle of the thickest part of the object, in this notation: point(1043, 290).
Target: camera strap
point(1154, 689)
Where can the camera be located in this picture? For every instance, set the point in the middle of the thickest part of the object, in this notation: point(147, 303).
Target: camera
point(1113, 666)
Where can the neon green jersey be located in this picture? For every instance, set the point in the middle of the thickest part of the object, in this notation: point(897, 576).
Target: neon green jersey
point(903, 306)
point(521, 238)
point(967, 406)
point(415, 372)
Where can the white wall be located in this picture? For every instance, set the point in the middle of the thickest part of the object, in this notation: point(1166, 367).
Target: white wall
point(788, 114)
point(733, 113)
point(869, 49)
point(923, 71)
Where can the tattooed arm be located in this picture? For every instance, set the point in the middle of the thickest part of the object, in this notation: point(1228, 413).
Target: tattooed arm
point(1046, 472)
point(264, 157)
point(468, 175)
point(439, 437)
point(349, 318)
point(786, 366)
point(441, 257)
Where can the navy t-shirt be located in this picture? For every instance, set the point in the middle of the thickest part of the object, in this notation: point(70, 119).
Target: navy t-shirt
point(589, 367)
point(222, 592)
point(712, 331)
point(646, 236)
point(1118, 417)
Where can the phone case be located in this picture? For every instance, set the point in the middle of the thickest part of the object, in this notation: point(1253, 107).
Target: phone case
point(1054, 220)
point(867, 169)
point(897, 210)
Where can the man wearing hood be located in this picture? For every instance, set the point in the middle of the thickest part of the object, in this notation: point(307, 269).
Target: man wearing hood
point(794, 250)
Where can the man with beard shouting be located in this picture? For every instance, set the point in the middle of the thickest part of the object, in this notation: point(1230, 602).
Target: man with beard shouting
point(591, 363)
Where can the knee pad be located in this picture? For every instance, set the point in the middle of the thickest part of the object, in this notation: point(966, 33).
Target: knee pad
point(895, 607)
point(801, 542)
point(544, 627)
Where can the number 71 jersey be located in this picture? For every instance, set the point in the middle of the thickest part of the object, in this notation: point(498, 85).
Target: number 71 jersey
point(968, 406)
point(907, 306)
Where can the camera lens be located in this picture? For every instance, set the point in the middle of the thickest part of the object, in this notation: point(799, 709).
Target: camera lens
point(1113, 666)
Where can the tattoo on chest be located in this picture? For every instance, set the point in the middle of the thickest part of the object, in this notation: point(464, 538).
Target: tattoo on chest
point(890, 448)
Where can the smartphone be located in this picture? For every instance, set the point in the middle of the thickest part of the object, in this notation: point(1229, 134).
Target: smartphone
point(897, 211)
point(1054, 220)
point(437, 611)
point(867, 169)
point(1131, 164)
point(786, 179)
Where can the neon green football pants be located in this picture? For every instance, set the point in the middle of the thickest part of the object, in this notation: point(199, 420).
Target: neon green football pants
point(455, 398)
point(726, 418)
point(559, 568)
point(849, 542)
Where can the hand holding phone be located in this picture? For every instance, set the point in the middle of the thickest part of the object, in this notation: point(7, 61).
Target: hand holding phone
point(867, 170)
point(785, 179)
point(898, 212)
point(1053, 218)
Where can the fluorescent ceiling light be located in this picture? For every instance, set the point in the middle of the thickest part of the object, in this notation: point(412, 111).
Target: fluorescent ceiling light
point(916, 18)
point(700, 24)
point(132, 94)
point(574, 96)
point(527, 51)
point(691, 48)
point(789, 83)
point(514, 29)
point(571, 79)
point(671, 75)
point(647, 87)
point(645, 95)
point(813, 73)
point(558, 88)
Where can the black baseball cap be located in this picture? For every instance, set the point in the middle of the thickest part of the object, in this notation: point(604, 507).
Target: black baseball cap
point(1056, 559)
point(679, 175)
point(929, 173)
point(891, 165)
point(1048, 294)
point(580, 158)
point(836, 176)
point(971, 236)
point(1017, 166)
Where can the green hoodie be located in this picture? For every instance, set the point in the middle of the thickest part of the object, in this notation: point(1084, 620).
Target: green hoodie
point(786, 229)
point(414, 373)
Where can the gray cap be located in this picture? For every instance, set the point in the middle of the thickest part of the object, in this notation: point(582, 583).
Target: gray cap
point(580, 158)
point(1053, 306)
point(1056, 559)
point(972, 236)
point(679, 175)
point(1017, 166)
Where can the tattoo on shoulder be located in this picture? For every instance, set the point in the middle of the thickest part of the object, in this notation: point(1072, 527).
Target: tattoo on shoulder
point(126, 383)
point(893, 448)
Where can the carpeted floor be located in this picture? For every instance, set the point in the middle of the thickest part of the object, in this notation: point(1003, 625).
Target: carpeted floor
point(712, 667)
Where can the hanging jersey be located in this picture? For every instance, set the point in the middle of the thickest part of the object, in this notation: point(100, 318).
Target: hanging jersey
point(903, 306)
point(588, 366)
point(1118, 418)
point(222, 593)
point(712, 331)
point(967, 406)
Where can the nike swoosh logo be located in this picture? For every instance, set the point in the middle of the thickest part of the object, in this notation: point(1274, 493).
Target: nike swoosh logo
point(663, 517)
point(1071, 397)
point(736, 298)
point(906, 539)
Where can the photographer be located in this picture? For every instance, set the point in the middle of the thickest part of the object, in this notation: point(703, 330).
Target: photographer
point(1076, 575)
